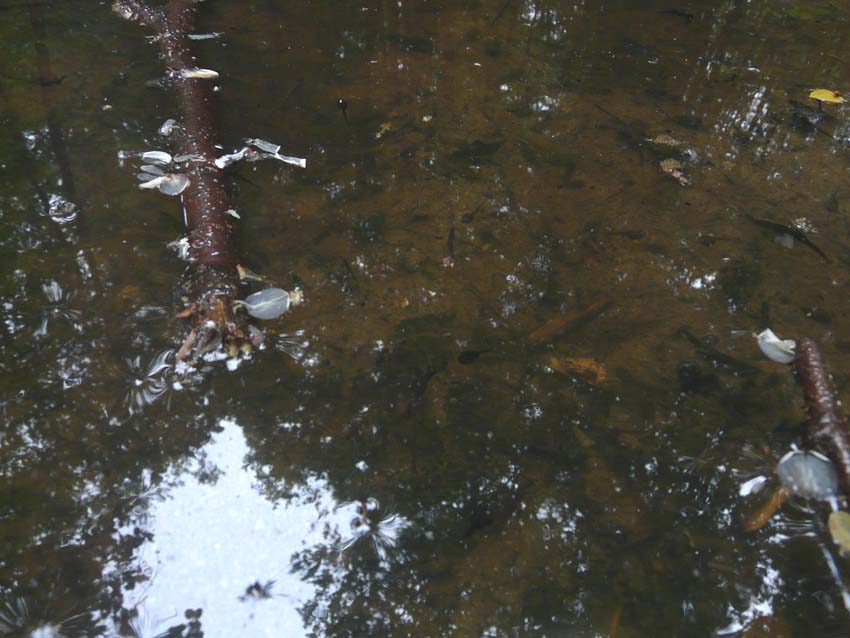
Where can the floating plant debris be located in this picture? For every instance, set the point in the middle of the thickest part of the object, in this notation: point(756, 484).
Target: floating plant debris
point(774, 348)
point(204, 36)
point(167, 127)
point(288, 159)
point(263, 145)
point(169, 184)
point(153, 170)
point(808, 474)
point(839, 528)
point(198, 74)
point(827, 95)
point(270, 303)
point(191, 157)
point(675, 169)
point(232, 158)
point(249, 275)
point(157, 157)
point(263, 152)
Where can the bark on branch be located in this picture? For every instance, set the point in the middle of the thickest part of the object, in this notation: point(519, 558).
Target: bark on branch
point(213, 282)
point(827, 430)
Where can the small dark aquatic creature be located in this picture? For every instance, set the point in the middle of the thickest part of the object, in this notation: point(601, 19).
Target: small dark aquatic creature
point(713, 354)
point(470, 356)
point(794, 231)
point(343, 106)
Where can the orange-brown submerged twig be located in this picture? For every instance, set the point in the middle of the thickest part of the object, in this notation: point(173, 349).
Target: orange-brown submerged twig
point(826, 430)
point(212, 284)
point(559, 325)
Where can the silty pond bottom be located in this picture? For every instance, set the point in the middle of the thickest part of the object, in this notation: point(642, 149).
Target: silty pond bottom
point(429, 444)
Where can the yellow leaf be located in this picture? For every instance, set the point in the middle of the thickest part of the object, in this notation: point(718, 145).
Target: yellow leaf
point(839, 528)
point(825, 95)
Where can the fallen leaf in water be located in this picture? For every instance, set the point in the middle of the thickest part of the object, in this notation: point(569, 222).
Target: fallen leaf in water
point(270, 303)
point(827, 95)
point(169, 184)
point(774, 348)
point(157, 157)
point(153, 170)
point(763, 514)
point(808, 474)
point(839, 529)
point(665, 140)
point(174, 184)
point(167, 127)
point(588, 369)
point(674, 169)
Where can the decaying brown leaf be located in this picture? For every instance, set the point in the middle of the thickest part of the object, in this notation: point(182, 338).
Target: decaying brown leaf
point(586, 369)
point(763, 514)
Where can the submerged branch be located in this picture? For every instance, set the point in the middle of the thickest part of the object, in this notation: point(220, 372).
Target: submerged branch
point(827, 429)
point(212, 284)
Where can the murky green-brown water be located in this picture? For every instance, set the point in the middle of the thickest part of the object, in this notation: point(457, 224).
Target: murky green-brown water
point(402, 459)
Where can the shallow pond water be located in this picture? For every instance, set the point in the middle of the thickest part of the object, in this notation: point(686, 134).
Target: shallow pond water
point(428, 445)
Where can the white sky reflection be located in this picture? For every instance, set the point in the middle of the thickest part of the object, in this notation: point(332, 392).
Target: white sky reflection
point(213, 540)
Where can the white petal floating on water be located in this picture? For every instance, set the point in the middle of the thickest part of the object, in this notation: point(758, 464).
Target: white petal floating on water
point(167, 127)
point(809, 475)
point(297, 161)
point(157, 157)
point(174, 184)
point(204, 36)
point(153, 183)
point(753, 485)
point(232, 158)
point(263, 145)
point(190, 157)
point(153, 170)
point(199, 74)
point(170, 184)
point(776, 349)
point(270, 303)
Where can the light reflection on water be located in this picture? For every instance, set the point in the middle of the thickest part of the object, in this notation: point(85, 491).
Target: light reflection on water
point(212, 540)
point(499, 164)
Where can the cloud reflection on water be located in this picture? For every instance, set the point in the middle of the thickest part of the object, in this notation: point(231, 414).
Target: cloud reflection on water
point(210, 542)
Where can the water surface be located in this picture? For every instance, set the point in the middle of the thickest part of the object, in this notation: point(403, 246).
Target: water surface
point(405, 457)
